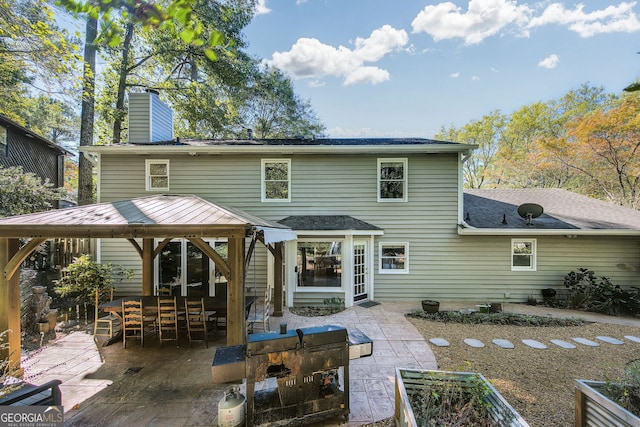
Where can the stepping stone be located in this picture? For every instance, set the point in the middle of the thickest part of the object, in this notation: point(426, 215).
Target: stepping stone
point(440, 342)
point(534, 344)
point(585, 341)
point(632, 338)
point(473, 342)
point(610, 340)
point(503, 343)
point(563, 344)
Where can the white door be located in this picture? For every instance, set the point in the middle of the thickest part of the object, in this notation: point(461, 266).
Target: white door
point(360, 271)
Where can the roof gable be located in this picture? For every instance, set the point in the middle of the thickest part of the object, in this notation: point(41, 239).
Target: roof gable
point(8, 123)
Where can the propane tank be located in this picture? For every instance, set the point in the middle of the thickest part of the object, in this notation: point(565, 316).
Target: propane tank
point(231, 408)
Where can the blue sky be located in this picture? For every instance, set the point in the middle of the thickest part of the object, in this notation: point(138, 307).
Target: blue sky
point(405, 68)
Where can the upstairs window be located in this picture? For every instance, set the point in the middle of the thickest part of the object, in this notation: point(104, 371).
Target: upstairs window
point(523, 254)
point(276, 180)
point(392, 180)
point(157, 172)
point(3, 141)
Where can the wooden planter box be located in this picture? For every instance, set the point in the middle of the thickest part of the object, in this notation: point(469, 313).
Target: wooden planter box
point(410, 381)
point(595, 409)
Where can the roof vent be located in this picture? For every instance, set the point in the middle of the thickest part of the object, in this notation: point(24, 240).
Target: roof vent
point(529, 211)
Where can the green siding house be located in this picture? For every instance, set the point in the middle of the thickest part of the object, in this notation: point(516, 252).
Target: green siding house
point(375, 219)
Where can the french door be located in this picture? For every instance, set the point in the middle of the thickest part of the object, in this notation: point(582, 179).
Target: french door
point(360, 271)
point(183, 269)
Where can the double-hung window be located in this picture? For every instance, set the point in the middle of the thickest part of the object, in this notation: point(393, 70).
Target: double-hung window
point(523, 254)
point(394, 258)
point(392, 180)
point(276, 180)
point(157, 174)
point(3, 141)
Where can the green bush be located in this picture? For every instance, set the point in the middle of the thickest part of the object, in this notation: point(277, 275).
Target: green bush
point(83, 277)
point(590, 293)
point(626, 392)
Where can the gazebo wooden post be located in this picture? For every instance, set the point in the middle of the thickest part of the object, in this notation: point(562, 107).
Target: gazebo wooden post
point(235, 293)
point(10, 303)
point(278, 283)
point(147, 266)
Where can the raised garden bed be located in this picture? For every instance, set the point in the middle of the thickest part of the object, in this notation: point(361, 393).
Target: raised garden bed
point(414, 385)
point(593, 408)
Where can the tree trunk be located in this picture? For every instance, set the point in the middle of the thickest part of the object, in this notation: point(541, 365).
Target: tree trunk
point(85, 169)
point(122, 84)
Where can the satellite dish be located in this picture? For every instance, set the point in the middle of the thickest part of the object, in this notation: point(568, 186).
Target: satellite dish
point(529, 211)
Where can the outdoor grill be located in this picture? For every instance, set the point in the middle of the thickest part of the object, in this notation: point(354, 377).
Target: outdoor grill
point(305, 373)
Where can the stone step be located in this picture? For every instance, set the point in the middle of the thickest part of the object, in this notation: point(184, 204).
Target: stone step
point(503, 343)
point(610, 340)
point(534, 344)
point(563, 344)
point(440, 342)
point(586, 342)
point(473, 342)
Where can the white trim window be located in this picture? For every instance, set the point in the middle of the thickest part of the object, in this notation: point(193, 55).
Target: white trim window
point(276, 180)
point(319, 264)
point(3, 141)
point(392, 180)
point(157, 175)
point(394, 257)
point(523, 254)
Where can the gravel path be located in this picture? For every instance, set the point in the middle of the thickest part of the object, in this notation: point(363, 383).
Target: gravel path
point(538, 383)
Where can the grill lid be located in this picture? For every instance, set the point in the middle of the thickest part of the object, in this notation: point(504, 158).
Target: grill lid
point(322, 335)
point(270, 342)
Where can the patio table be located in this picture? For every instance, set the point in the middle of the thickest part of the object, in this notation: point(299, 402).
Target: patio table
point(150, 307)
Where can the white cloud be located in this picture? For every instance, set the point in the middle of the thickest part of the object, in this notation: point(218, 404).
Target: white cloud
point(550, 61)
point(486, 18)
point(475, 78)
point(309, 57)
point(261, 7)
point(455, 75)
point(612, 19)
point(482, 19)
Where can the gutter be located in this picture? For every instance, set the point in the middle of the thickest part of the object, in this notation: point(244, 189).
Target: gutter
point(465, 229)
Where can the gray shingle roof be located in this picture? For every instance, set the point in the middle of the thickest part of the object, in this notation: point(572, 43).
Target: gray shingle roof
point(301, 141)
point(562, 210)
point(326, 222)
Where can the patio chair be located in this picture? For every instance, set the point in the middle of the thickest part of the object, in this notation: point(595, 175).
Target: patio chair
point(196, 317)
point(261, 319)
point(168, 320)
point(105, 323)
point(134, 324)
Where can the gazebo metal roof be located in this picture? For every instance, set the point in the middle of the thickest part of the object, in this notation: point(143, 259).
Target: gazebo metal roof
point(151, 216)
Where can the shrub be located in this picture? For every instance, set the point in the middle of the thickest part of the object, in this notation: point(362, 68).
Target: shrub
point(626, 392)
point(84, 276)
point(589, 293)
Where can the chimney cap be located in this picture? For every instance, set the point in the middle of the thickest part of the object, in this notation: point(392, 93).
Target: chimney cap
point(153, 91)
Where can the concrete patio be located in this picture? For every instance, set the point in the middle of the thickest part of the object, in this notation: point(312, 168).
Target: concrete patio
point(169, 386)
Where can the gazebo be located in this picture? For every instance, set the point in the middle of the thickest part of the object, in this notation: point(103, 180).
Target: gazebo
point(148, 220)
